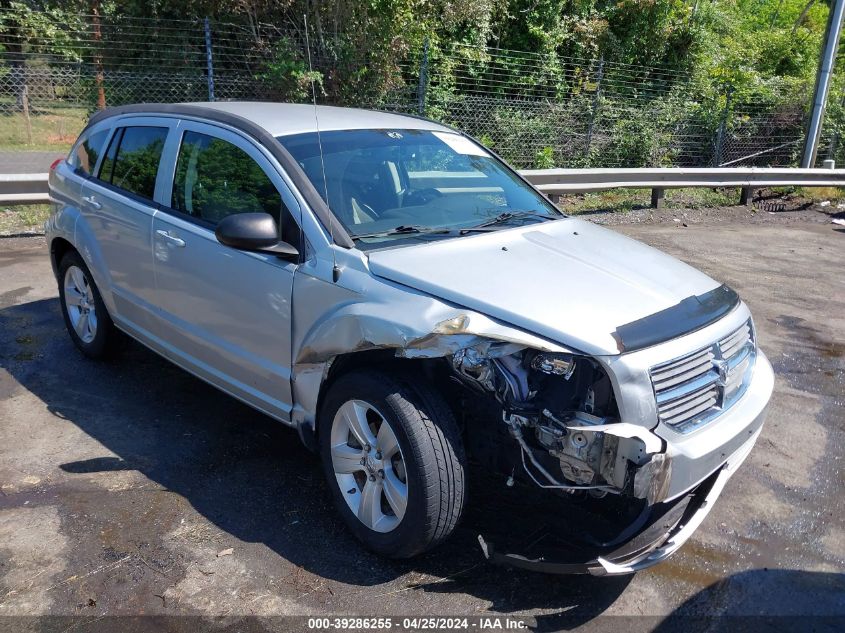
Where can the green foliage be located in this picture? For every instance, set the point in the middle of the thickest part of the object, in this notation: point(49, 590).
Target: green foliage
point(487, 141)
point(24, 218)
point(286, 73)
point(48, 27)
point(545, 158)
point(673, 64)
point(52, 129)
point(626, 200)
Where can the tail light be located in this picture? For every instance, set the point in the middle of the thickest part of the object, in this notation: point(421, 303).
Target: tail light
point(55, 164)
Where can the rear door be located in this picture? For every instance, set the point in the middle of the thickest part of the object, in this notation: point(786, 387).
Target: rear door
point(225, 314)
point(118, 205)
point(66, 179)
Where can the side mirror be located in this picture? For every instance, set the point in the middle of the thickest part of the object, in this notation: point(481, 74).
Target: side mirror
point(256, 232)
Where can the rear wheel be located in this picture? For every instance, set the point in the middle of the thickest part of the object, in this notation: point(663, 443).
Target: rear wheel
point(85, 315)
point(394, 462)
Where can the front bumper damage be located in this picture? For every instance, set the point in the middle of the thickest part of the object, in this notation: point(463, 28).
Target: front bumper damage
point(666, 528)
point(682, 482)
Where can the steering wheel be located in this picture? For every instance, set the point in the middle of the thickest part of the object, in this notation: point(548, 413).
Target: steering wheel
point(421, 196)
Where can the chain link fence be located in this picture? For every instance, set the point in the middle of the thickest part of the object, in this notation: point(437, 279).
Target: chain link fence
point(533, 110)
point(589, 113)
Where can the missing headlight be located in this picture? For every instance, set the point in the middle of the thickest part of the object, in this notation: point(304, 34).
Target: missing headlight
point(560, 416)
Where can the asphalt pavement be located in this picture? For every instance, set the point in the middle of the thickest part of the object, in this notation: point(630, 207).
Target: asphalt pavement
point(15, 162)
point(124, 485)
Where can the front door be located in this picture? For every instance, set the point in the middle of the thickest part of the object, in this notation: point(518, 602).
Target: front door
point(225, 314)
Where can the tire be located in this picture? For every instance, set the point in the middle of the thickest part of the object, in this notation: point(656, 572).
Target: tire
point(86, 318)
point(425, 455)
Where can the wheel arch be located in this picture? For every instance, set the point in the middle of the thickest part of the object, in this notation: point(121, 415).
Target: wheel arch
point(375, 359)
point(59, 247)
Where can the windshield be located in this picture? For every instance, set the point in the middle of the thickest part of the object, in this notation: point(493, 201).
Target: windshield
point(390, 185)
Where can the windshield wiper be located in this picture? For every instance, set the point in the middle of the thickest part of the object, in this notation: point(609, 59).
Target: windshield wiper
point(404, 229)
point(415, 229)
point(504, 217)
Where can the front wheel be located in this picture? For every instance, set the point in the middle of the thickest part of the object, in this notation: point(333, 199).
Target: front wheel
point(393, 460)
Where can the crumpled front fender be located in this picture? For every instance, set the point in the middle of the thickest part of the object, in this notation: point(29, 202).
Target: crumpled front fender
point(368, 314)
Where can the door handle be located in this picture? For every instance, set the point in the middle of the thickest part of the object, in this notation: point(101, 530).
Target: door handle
point(92, 201)
point(170, 239)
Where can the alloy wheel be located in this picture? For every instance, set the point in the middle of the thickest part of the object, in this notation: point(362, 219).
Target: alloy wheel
point(80, 304)
point(369, 466)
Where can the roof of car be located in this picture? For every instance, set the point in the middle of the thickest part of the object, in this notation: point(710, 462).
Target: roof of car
point(283, 119)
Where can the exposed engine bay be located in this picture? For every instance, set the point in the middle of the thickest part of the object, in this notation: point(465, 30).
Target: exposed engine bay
point(560, 423)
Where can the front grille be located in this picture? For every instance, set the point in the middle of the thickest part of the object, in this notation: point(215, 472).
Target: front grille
point(695, 388)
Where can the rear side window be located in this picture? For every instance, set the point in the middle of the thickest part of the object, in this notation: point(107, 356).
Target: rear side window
point(84, 158)
point(131, 162)
point(214, 179)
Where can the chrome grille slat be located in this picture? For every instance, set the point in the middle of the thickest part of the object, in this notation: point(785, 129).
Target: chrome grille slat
point(739, 357)
point(730, 344)
point(696, 387)
point(704, 406)
point(675, 364)
point(686, 369)
point(667, 396)
point(737, 378)
point(688, 406)
point(742, 333)
point(727, 352)
point(687, 376)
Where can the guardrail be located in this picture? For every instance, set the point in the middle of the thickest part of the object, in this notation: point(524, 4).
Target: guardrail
point(32, 188)
point(556, 182)
point(23, 189)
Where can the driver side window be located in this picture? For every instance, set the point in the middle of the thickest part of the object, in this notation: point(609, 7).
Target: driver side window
point(215, 178)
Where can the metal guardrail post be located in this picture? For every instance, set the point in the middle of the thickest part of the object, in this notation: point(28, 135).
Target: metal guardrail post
point(657, 196)
point(746, 197)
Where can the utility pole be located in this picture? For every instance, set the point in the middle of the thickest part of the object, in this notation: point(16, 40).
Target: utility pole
point(826, 64)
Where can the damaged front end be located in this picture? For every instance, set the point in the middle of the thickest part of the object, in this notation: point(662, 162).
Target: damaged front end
point(551, 419)
point(576, 432)
point(558, 429)
point(560, 412)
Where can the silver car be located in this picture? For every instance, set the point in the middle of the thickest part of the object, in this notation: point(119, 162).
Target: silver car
point(404, 299)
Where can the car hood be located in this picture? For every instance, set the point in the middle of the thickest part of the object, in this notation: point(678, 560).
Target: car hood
point(570, 281)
